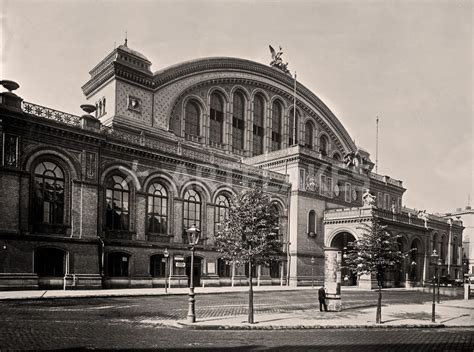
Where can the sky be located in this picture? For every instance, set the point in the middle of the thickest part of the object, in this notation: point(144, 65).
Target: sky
point(408, 62)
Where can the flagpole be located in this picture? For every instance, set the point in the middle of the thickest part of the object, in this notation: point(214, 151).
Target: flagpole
point(376, 144)
point(294, 113)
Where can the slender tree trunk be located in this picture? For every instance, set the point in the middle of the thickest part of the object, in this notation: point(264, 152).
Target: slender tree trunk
point(250, 319)
point(378, 317)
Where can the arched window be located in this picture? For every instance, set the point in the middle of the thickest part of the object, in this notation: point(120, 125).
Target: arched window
point(48, 195)
point(276, 209)
point(118, 264)
point(434, 244)
point(324, 145)
point(454, 251)
point(312, 223)
point(192, 119)
point(192, 209)
point(293, 128)
point(157, 266)
point(276, 125)
point(222, 207)
point(258, 118)
point(103, 107)
point(117, 198)
point(50, 262)
point(157, 215)
point(238, 122)
point(442, 250)
point(217, 119)
point(223, 269)
point(308, 135)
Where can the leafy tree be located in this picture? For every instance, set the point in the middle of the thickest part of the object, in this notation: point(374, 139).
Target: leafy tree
point(374, 253)
point(248, 235)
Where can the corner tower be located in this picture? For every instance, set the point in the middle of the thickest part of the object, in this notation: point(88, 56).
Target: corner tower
point(121, 88)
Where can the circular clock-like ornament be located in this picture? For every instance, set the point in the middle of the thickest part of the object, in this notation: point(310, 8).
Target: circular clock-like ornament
point(354, 194)
point(336, 190)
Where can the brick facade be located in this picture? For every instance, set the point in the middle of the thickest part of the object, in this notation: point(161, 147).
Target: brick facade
point(139, 139)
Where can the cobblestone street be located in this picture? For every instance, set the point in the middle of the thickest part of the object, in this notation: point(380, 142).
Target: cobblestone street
point(121, 323)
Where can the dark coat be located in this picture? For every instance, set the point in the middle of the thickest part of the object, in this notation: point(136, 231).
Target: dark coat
point(321, 294)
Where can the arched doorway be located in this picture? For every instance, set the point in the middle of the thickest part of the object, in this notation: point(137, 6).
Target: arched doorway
point(196, 271)
point(340, 241)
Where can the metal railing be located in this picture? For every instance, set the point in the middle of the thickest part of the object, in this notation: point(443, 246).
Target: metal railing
point(51, 114)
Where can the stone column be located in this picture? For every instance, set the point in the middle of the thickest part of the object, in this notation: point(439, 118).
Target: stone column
point(332, 278)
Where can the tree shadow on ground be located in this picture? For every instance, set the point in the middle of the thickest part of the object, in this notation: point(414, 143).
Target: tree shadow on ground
point(409, 316)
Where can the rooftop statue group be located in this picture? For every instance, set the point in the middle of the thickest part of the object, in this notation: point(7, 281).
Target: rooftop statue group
point(277, 61)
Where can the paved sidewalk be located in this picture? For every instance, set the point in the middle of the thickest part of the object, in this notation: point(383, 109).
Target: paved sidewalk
point(453, 313)
point(449, 313)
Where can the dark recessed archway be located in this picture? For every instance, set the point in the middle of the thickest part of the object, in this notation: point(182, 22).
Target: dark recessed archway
point(341, 241)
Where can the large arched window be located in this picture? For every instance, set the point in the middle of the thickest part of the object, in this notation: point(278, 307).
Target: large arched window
point(50, 262)
point(222, 207)
point(238, 122)
point(157, 215)
point(216, 119)
point(258, 118)
point(308, 135)
point(192, 209)
point(48, 195)
point(324, 145)
point(117, 198)
point(192, 119)
point(293, 127)
point(118, 264)
point(157, 265)
point(277, 113)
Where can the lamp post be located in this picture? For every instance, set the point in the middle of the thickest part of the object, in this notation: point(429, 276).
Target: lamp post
point(312, 272)
point(434, 260)
point(193, 238)
point(166, 254)
point(288, 259)
point(438, 264)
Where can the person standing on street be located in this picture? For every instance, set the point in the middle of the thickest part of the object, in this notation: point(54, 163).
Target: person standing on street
point(322, 299)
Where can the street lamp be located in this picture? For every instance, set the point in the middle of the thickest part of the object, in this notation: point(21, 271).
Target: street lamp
point(166, 254)
point(312, 272)
point(439, 262)
point(288, 260)
point(193, 238)
point(434, 261)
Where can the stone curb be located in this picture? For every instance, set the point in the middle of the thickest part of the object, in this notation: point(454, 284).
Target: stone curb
point(303, 327)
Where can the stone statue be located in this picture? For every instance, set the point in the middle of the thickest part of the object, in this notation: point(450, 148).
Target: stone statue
point(368, 199)
point(277, 61)
point(422, 214)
